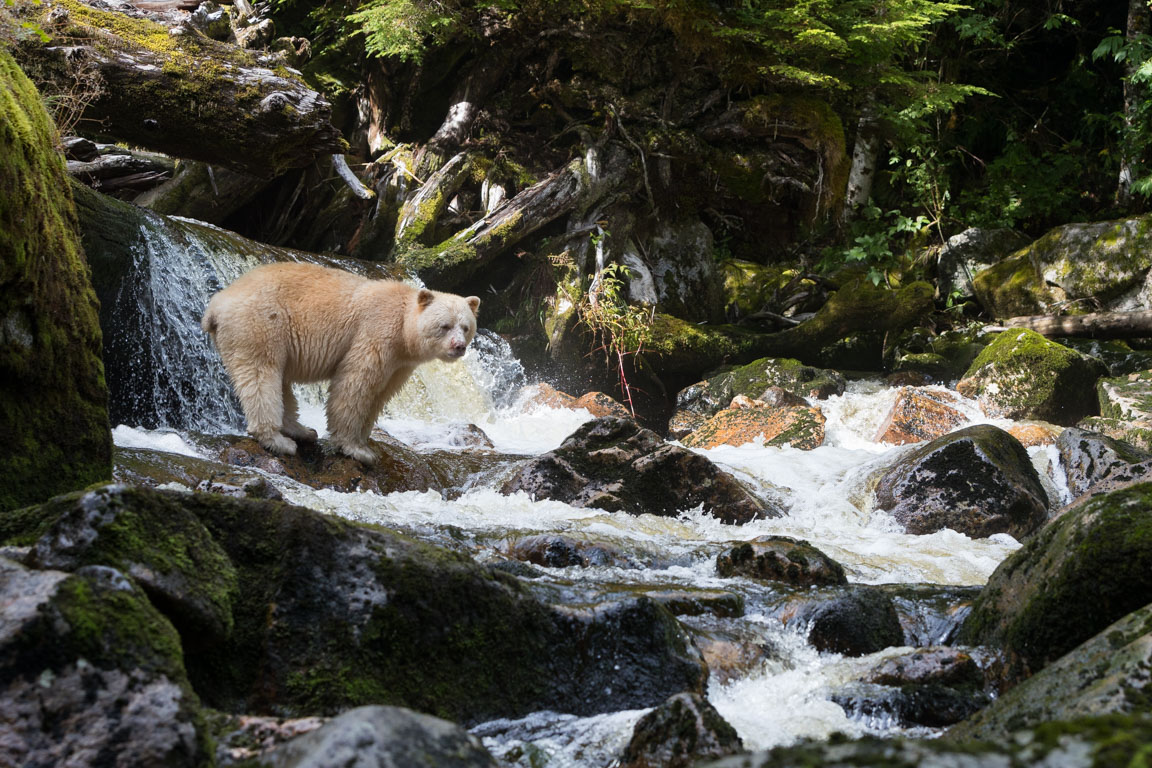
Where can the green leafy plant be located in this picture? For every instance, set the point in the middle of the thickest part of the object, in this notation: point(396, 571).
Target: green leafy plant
point(618, 328)
point(880, 240)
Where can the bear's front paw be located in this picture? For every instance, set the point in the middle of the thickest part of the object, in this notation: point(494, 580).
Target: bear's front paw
point(362, 453)
point(280, 444)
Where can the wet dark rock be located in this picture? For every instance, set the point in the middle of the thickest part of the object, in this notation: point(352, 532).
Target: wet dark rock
point(933, 705)
point(695, 602)
point(730, 650)
point(383, 737)
point(616, 465)
point(945, 666)
point(556, 551)
point(1106, 674)
point(978, 481)
point(780, 558)
point(853, 620)
point(161, 545)
point(930, 614)
point(1094, 463)
point(91, 674)
point(678, 733)
point(398, 467)
point(255, 488)
point(1086, 569)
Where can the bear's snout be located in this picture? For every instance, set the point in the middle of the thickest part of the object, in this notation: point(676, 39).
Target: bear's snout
point(457, 348)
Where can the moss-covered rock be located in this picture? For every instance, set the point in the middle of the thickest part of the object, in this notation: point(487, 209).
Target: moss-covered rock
point(1099, 262)
point(1136, 433)
point(1095, 463)
point(1106, 674)
point(162, 546)
point(679, 733)
point(1089, 742)
point(1081, 572)
point(751, 380)
point(1126, 397)
point(92, 674)
point(1117, 355)
point(53, 399)
point(800, 427)
point(967, 253)
point(978, 481)
point(1023, 375)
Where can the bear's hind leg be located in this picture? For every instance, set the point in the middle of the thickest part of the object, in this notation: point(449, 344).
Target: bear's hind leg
point(260, 390)
point(292, 426)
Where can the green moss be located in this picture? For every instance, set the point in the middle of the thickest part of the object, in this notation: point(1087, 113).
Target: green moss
point(53, 398)
point(1012, 287)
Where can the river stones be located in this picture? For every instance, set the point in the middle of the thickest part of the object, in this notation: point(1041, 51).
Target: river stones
point(680, 732)
point(1094, 463)
point(716, 393)
point(616, 465)
point(1081, 572)
point(965, 254)
point(1108, 673)
point(91, 674)
point(550, 550)
point(780, 558)
point(919, 415)
point(1022, 375)
point(799, 426)
point(381, 737)
point(977, 481)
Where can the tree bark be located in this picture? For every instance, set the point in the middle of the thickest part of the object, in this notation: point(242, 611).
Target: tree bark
point(1139, 21)
point(419, 213)
point(1098, 325)
point(865, 156)
point(192, 98)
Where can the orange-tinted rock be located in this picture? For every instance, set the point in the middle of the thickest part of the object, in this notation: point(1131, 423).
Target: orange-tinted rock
point(548, 395)
point(919, 415)
point(600, 404)
point(1037, 433)
point(801, 427)
point(684, 422)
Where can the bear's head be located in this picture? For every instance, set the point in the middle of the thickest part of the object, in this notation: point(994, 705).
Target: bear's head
point(446, 323)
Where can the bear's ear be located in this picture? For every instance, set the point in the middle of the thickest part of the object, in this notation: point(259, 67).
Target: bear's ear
point(474, 303)
point(424, 298)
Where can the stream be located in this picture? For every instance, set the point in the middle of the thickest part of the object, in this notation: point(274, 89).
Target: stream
point(776, 699)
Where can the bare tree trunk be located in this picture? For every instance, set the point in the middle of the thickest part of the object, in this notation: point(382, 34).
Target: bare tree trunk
point(1139, 22)
point(1098, 325)
point(865, 158)
point(420, 211)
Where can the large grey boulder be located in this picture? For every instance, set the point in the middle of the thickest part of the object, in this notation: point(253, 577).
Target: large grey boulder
point(978, 481)
point(91, 674)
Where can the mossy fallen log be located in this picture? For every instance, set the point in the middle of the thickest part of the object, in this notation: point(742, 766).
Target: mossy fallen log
point(680, 347)
point(178, 92)
point(1097, 325)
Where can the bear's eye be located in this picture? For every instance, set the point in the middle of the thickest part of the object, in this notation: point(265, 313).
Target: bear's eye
point(445, 328)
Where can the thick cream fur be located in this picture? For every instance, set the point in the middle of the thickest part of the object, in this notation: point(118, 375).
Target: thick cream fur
point(282, 324)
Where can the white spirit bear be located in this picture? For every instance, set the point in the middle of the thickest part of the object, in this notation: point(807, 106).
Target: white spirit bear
point(282, 324)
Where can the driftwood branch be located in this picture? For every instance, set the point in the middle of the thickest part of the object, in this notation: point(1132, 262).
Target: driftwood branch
point(178, 92)
point(1098, 325)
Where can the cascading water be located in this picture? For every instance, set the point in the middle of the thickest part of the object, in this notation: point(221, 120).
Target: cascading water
point(783, 697)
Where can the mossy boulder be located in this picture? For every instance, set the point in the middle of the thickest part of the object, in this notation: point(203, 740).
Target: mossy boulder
point(1084, 570)
point(332, 615)
point(965, 254)
point(1089, 742)
point(162, 546)
point(1117, 355)
point(53, 398)
point(1101, 262)
point(1106, 674)
point(977, 481)
point(680, 258)
point(615, 465)
point(1126, 397)
point(92, 674)
point(751, 380)
point(1022, 375)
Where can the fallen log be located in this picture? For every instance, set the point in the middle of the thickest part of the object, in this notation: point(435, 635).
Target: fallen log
point(1097, 325)
point(114, 164)
point(178, 92)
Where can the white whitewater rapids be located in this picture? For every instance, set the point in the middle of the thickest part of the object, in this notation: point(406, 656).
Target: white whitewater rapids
point(824, 490)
